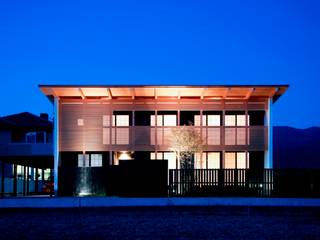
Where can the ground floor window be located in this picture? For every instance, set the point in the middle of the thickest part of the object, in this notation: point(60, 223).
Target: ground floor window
point(236, 160)
point(170, 156)
point(89, 160)
point(207, 160)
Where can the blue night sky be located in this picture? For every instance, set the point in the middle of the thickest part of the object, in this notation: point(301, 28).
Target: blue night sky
point(160, 42)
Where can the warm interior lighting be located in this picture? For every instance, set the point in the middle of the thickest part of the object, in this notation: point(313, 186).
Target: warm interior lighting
point(125, 155)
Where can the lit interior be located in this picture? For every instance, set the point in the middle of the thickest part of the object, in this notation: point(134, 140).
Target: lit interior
point(124, 155)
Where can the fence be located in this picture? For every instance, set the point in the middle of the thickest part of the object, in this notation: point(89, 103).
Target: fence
point(245, 182)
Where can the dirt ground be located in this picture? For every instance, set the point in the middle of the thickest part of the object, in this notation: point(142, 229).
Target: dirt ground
point(160, 223)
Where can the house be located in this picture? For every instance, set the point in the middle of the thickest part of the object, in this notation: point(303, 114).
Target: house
point(98, 126)
point(26, 153)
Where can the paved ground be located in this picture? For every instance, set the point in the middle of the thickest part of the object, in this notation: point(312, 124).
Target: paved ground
point(161, 223)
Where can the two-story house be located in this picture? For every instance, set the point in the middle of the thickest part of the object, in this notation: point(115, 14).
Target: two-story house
point(96, 126)
point(26, 153)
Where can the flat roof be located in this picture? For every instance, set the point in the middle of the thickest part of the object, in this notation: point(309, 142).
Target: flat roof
point(162, 91)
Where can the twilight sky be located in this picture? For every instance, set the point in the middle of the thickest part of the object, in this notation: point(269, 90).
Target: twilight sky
point(159, 42)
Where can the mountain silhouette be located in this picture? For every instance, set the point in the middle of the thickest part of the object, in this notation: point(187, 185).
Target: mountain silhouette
point(296, 148)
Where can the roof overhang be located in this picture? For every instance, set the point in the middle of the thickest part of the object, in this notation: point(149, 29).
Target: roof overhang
point(160, 91)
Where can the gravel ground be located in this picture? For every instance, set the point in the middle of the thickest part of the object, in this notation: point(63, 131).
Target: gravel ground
point(160, 223)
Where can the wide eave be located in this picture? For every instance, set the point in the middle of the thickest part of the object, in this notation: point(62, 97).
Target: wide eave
point(243, 92)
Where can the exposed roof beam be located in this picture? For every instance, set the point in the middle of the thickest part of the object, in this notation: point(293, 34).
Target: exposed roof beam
point(225, 94)
point(133, 93)
point(250, 91)
point(109, 93)
point(155, 93)
point(54, 92)
point(202, 93)
point(273, 91)
point(81, 93)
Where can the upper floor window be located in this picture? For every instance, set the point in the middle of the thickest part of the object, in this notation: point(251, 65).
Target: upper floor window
point(232, 120)
point(120, 120)
point(35, 137)
point(207, 120)
point(164, 120)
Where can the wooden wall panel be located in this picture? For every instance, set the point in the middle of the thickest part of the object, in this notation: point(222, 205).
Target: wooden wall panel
point(71, 135)
point(89, 137)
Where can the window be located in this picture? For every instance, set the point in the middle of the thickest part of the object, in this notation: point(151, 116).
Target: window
point(241, 160)
point(207, 120)
point(170, 156)
point(241, 120)
point(213, 120)
point(20, 171)
point(169, 120)
point(106, 120)
point(164, 120)
point(120, 120)
point(230, 160)
point(36, 137)
point(31, 137)
point(120, 134)
point(236, 160)
point(236, 120)
point(80, 122)
point(89, 160)
point(230, 120)
point(96, 160)
point(210, 160)
point(47, 173)
point(213, 159)
point(233, 135)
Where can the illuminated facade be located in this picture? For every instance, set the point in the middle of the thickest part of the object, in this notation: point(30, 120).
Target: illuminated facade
point(97, 126)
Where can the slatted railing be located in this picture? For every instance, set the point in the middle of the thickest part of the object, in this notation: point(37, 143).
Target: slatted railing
point(245, 182)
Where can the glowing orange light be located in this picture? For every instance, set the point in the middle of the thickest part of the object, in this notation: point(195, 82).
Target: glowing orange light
point(125, 156)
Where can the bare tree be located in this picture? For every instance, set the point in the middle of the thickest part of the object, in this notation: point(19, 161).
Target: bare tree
point(185, 142)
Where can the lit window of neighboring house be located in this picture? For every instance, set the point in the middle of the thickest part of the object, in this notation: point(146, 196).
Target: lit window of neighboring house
point(89, 160)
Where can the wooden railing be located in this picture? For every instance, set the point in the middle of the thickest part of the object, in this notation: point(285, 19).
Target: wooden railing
point(145, 138)
point(245, 182)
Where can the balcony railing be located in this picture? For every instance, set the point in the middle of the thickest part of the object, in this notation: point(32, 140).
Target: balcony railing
point(26, 149)
point(145, 138)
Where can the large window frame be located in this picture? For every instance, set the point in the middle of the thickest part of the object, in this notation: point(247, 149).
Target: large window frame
point(90, 160)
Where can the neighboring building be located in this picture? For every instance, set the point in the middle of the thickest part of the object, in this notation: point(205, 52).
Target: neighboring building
point(26, 153)
point(97, 126)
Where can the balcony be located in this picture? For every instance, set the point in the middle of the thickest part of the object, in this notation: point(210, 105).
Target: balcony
point(26, 149)
point(146, 138)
